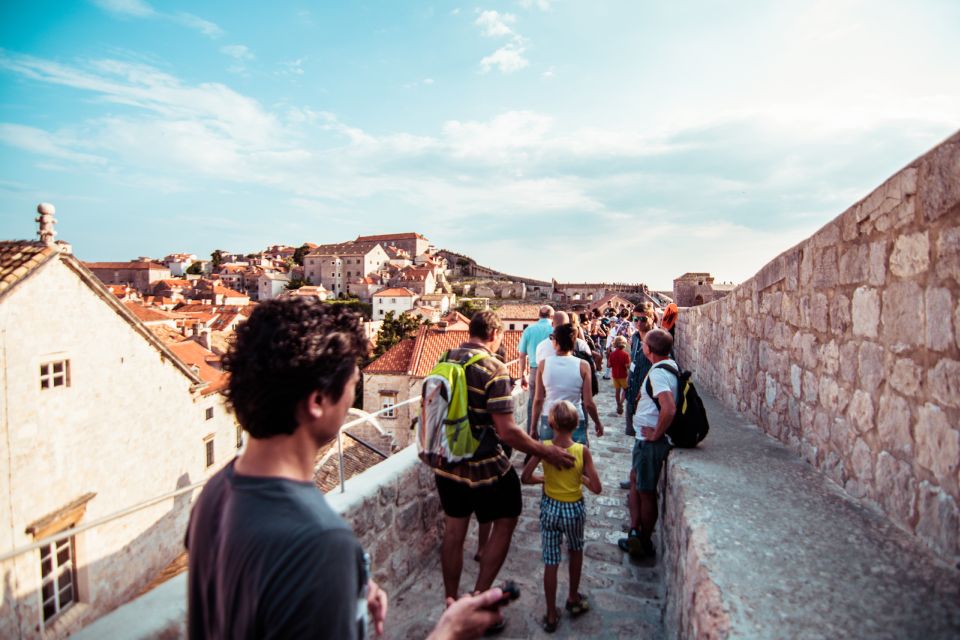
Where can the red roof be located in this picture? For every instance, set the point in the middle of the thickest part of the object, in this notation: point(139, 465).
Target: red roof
point(519, 311)
point(195, 355)
point(390, 236)
point(396, 292)
point(417, 356)
point(145, 314)
point(229, 293)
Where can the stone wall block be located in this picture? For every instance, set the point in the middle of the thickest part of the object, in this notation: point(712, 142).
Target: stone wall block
point(828, 236)
point(860, 411)
point(939, 323)
point(948, 254)
point(866, 312)
point(848, 362)
point(820, 312)
point(895, 489)
point(893, 424)
point(826, 273)
point(905, 376)
point(908, 181)
point(806, 265)
point(771, 391)
point(821, 428)
point(939, 519)
point(796, 377)
point(878, 263)
point(902, 303)
point(830, 358)
point(855, 264)
point(840, 318)
point(832, 397)
point(870, 365)
point(789, 311)
point(861, 461)
point(910, 255)
point(938, 187)
point(811, 388)
point(898, 215)
point(956, 323)
point(943, 382)
point(849, 229)
point(938, 443)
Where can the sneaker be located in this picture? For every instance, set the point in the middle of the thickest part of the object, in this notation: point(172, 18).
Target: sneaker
point(631, 545)
point(648, 549)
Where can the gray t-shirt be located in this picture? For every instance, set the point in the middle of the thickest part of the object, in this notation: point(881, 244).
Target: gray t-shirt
point(269, 558)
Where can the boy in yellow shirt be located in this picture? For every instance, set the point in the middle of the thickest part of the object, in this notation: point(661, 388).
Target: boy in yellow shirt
point(561, 510)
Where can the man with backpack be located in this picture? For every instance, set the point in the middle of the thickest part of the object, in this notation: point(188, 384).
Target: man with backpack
point(656, 409)
point(486, 483)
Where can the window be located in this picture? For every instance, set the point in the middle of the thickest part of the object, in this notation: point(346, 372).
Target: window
point(209, 413)
point(58, 577)
point(393, 300)
point(208, 451)
point(511, 327)
point(239, 436)
point(387, 401)
point(55, 374)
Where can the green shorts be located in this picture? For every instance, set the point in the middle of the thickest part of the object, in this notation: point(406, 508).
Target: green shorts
point(648, 460)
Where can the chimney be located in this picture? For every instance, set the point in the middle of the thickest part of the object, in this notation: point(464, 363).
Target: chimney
point(47, 221)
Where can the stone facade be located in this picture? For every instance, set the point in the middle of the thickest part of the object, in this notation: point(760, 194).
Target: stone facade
point(378, 388)
point(846, 347)
point(130, 425)
point(695, 288)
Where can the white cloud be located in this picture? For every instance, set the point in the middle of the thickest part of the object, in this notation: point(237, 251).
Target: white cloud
point(61, 146)
point(292, 67)
point(237, 51)
point(543, 5)
point(132, 8)
point(549, 73)
point(508, 59)
point(495, 25)
point(428, 81)
point(142, 9)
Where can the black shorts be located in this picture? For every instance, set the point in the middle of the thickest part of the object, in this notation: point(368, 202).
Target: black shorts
point(502, 499)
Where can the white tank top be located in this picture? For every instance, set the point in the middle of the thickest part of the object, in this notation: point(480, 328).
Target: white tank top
point(562, 381)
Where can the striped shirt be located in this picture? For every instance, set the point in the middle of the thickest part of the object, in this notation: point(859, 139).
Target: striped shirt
point(488, 392)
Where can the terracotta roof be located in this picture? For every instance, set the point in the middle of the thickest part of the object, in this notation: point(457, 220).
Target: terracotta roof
point(229, 293)
point(195, 355)
point(391, 236)
point(453, 317)
point(416, 275)
point(395, 360)
point(520, 311)
point(176, 282)
point(611, 299)
point(149, 314)
point(356, 457)
point(395, 292)
point(19, 258)
point(125, 265)
point(224, 321)
point(349, 248)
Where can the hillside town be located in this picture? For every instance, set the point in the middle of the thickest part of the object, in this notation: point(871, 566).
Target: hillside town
point(114, 318)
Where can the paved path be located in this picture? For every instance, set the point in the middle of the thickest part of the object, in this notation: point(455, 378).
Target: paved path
point(626, 597)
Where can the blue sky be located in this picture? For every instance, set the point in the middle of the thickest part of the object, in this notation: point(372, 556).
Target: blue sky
point(619, 141)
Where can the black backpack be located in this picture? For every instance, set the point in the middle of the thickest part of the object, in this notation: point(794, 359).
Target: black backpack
point(689, 424)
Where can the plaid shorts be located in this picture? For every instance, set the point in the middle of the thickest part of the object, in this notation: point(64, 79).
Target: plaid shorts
point(559, 519)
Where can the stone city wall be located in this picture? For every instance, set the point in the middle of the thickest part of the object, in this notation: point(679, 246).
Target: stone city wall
point(846, 347)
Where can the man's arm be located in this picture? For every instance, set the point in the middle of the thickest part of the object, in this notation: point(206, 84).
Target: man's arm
point(524, 383)
point(515, 437)
point(668, 408)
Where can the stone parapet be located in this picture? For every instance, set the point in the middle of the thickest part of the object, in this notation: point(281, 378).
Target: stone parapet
point(757, 544)
point(846, 348)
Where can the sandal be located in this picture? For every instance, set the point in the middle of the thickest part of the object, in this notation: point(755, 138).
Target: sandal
point(548, 626)
point(579, 607)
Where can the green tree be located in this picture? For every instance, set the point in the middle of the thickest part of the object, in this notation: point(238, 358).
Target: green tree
point(217, 258)
point(296, 283)
point(195, 269)
point(301, 251)
point(469, 307)
point(393, 330)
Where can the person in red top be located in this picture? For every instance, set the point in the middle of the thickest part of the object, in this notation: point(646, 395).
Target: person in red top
point(619, 361)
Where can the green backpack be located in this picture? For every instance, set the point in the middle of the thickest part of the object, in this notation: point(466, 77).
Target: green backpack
point(444, 434)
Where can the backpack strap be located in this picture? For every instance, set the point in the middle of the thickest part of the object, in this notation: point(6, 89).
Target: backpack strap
point(474, 359)
point(649, 386)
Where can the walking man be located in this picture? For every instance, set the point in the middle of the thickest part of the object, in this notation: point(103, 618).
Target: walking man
point(655, 411)
point(487, 483)
point(532, 336)
point(268, 556)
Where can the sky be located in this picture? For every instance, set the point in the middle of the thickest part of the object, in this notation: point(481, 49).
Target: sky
point(618, 141)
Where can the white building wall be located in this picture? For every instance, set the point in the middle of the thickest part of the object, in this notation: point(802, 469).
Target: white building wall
point(382, 305)
point(127, 428)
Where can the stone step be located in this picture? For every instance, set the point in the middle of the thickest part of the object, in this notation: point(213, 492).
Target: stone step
point(760, 545)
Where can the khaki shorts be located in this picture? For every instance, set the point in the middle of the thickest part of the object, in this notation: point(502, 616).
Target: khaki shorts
point(619, 383)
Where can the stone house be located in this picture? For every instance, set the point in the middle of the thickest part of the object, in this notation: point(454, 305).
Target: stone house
point(696, 288)
point(425, 314)
point(395, 299)
point(413, 243)
point(271, 285)
point(442, 301)
point(99, 415)
point(335, 265)
point(141, 275)
point(364, 288)
point(309, 291)
point(178, 263)
point(398, 374)
point(420, 281)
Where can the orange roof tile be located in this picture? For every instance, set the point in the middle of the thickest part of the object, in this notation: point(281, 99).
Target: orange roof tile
point(19, 258)
point(229, 293)
point(519, 311)
point(148, 314)
point(395, 360)
point(195, 355)
point(395, 292)
point(417, 356)
point(390, 236)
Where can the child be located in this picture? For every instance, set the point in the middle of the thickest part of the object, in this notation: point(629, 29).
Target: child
point(619, 361)
point(561, 510)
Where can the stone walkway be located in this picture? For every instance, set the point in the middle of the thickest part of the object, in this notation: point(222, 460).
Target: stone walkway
point(626, 597)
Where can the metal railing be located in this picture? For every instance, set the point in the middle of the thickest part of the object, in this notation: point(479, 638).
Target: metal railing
point(68, 533)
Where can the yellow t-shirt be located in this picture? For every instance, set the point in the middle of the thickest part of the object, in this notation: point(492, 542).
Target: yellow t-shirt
point(564, 485)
